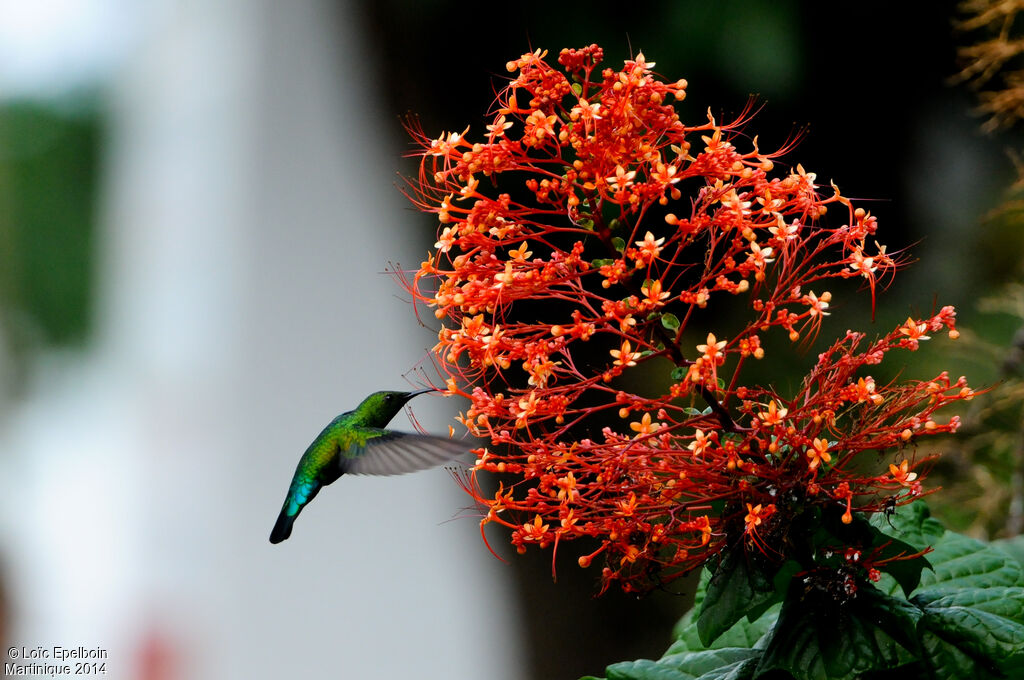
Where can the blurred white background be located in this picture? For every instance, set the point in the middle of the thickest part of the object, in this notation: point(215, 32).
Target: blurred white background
point(247, 210)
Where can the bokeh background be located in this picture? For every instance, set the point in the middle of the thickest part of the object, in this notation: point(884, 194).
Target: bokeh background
point(198, 203)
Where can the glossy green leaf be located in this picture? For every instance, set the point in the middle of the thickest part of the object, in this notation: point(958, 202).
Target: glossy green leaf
point(981, 625)
point(1014, 547)
point(781, 580)
point(712, 664)
point(890, 549)
point(912, 524)
point(744, 634)
point(962, 562)
point(945, 661)
point(816, 638)
point(738, 585)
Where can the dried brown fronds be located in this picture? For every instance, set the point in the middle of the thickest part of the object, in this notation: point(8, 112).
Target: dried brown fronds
point(987, 463)
point(987, 12)
point(993, 61)
point(1003, 107)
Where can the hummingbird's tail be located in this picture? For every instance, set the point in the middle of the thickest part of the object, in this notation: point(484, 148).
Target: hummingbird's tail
point(301, 492)
point(283, 527)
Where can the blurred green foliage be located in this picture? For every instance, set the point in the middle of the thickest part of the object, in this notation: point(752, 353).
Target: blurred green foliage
point(981, 469)
point(49, 159)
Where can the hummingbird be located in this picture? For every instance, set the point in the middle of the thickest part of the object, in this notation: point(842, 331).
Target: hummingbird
point(357, 443)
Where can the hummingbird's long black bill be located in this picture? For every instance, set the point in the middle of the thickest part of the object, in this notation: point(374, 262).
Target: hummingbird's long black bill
point(416, 393)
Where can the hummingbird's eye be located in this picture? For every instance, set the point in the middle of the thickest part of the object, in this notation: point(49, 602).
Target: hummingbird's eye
point(387, 397)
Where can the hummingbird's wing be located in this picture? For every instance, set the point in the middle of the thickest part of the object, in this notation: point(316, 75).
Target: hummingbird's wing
point(395, 453)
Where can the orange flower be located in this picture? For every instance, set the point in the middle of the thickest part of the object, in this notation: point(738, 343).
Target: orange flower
point(756, 515)
point(624, 356)
point(536, 531)
point(650, 247)
point(645, 426)
point(818, 453)
point(654, 296)
point(902, 474)
point(817, 305)
point(773, 416)
point(712, 349)
point(914, 330)
point(700, 443)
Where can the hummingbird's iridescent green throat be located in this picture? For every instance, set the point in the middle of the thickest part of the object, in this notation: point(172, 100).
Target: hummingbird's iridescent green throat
point(357, 443)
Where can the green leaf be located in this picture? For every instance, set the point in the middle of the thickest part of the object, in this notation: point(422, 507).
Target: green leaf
point(907, 573)
point(962, 562)
point(678, 373)
point(618, 244)
point(781, 580)
point(911, 524)
point(973, 604)
point(601, 262)
point(895, 617)
point(1014, 547)
point(702, 586)
point(816, 638)
point(983, 622)
point(730, 657)
point(737, 586)
point(745, 633)
point(890, 550)
point(644, 669)
point(945, 662)
point(670, 322)
point(712, 664)
point(689, 410)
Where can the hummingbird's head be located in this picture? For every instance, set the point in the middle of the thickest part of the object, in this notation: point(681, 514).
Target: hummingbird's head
point(380, 407)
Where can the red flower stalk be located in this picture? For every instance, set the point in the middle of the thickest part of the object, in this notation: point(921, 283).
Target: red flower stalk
point(590, 261)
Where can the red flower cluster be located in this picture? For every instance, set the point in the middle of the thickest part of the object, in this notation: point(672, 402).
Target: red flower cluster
point(592, 233)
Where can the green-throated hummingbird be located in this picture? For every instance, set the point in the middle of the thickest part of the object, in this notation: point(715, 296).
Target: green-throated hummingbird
point(357, 443)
